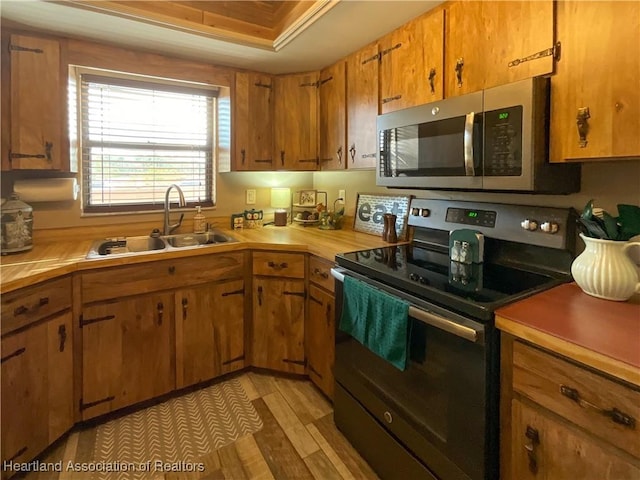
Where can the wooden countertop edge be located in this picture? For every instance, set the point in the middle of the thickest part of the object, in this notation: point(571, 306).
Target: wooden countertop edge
point(593, 359)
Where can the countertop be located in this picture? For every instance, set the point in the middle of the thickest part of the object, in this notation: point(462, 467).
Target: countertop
point(55, 258)
point(601, 334)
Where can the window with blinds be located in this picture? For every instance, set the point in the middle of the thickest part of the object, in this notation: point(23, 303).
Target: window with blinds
point(138, 138)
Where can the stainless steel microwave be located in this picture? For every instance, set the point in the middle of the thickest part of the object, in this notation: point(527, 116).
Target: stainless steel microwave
point(496, 139)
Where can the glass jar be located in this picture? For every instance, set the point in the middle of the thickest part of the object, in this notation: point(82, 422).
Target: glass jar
point(16, 225)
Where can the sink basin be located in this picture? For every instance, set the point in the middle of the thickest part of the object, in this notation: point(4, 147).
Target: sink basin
point(147, 244)
point(197, 239)
point(125, 245)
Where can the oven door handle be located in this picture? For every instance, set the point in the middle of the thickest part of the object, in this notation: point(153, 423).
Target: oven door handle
point(429, 318)
point(444, 324)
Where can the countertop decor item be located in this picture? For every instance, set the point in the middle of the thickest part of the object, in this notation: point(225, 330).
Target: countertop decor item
point(604, 269)
point(370, 210)
point(17, 225)
point(281, 201)
point(332, 219)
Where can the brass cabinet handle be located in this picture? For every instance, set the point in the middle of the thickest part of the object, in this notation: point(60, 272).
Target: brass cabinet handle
point(533, 440)
point(185, 304)
point(432, 76)
point(160, 307)
point(614, 414)
point(459, 67)
point(62, 333)
point(583, 125)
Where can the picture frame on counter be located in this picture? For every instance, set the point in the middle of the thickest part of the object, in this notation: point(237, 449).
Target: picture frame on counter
point(370, 207)
point(307, 198)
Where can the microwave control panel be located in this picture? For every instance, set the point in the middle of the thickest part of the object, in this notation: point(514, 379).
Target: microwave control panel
point(503, 142)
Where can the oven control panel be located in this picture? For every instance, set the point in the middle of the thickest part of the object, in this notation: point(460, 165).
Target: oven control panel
point(544, 226)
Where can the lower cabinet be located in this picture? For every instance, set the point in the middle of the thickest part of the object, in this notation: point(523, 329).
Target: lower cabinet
point(128, 352)
point(278, 324)
point(320, 338)
point(209, 331)
point(37, 388)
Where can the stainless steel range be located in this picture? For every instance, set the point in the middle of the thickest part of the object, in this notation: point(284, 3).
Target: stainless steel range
point(438, 418)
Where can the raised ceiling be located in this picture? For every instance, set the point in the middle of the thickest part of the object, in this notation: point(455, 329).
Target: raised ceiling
point(269, 36)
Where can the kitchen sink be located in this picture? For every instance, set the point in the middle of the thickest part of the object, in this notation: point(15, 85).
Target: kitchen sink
point(109, 247)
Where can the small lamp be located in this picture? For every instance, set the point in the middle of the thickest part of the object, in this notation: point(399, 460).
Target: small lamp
point(281, 201)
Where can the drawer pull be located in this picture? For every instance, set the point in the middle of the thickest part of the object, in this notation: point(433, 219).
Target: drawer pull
point(614, 414)
point(278, 266)
point(320, 273)
point(160, 308)
point(21, 310)
point(18, 352)
point(185, 305)
point(533, 440)
point(43, 301)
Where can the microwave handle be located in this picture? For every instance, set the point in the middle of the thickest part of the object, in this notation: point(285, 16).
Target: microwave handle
point(469, 168)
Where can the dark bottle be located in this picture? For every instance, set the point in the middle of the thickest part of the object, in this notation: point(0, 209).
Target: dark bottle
point(389, 233)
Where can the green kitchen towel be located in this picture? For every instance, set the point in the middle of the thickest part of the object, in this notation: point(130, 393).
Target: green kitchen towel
point(379, 321)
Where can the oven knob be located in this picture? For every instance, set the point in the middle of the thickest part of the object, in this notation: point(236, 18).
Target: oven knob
point(550, 227)
point(422, 280)
point(414, 276)
point(388, 417)
point(415, 211)
point(530, 225)
point(426, 212)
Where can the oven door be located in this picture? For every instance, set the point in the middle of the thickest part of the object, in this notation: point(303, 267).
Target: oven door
point(438, 145)
point(438, 407)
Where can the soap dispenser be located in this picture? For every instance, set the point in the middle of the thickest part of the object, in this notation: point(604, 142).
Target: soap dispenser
point(199, 224)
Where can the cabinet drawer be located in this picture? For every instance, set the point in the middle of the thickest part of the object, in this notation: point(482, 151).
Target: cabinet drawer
point(320, 273)
point(161, 275)
point(30, 304)
point(277, 264)
point(605, 408)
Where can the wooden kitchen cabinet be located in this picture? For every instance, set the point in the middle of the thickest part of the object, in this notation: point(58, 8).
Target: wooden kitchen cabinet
point(128, 352)
point(36, 137)
point(333, 117)
point(362, 107)
point(278, 300)
point(296, 122)
point(320, 326)
point(492, 43)
point(411, 61)
point(37, 387)
point(253, 109)
point(560, 420)
point(595, 99)
point(209, 331)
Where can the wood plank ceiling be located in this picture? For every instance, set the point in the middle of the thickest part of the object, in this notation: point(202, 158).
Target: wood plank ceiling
point(263, 24)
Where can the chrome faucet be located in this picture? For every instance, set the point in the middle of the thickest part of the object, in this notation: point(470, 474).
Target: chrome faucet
point(182, 203)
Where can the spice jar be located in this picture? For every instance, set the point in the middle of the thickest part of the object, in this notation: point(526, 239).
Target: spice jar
point(16, 225)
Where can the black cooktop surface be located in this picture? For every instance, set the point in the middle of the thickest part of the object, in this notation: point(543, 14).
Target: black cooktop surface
point(475, 289)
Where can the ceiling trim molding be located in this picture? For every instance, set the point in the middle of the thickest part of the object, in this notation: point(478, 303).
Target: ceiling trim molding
point(308, 18)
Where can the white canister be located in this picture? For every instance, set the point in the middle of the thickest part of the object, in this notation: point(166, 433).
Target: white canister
point(604, 269)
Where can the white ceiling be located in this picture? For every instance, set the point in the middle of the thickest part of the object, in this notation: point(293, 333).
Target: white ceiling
point(348, 26)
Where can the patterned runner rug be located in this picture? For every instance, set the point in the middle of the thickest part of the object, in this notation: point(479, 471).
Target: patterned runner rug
point(174, 434)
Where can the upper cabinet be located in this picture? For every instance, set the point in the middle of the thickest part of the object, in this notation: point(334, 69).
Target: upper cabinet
point(492, 43)
point(362, 107)
point(333, 117)
point(411, 59)
point(36, 138)
point(253, 122)
point(595, 99)
point(296, 122)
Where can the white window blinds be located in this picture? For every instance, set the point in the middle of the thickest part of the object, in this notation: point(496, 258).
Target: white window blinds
point(140, 137)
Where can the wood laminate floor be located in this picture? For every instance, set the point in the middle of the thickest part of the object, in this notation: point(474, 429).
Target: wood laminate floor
point(298, 440)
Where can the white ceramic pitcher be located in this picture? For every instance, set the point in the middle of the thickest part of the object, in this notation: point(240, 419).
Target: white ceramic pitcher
point(604, 269)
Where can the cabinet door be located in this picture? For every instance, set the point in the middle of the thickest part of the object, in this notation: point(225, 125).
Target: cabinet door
point(36, 104)
point(320, 338)
point(253, 122)
point(278, 324)
point(362, 107)
point(24, 394)
point(546, 449)
point(408, 56)
point(209, 331)
point(597, 73)
point(333, 117)
point(492, 43)
point(128, 352)
point(296, 122)
point(60, 402)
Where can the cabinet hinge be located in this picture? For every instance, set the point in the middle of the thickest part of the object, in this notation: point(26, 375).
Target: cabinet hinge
point(232, 360)
point(317, 373)
point(296, 362)
point(377, 56)
point(95, 320)
point(235, 292)
point(84, 406)
point(18, 48)
point(553, 51)
point(17, 454)
point(322, 82)
point(310, 84)
point(297, 294)
point(314, 299)
point(389, 50)
point(391, 99)
point(18, 352)
point(263, 85)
